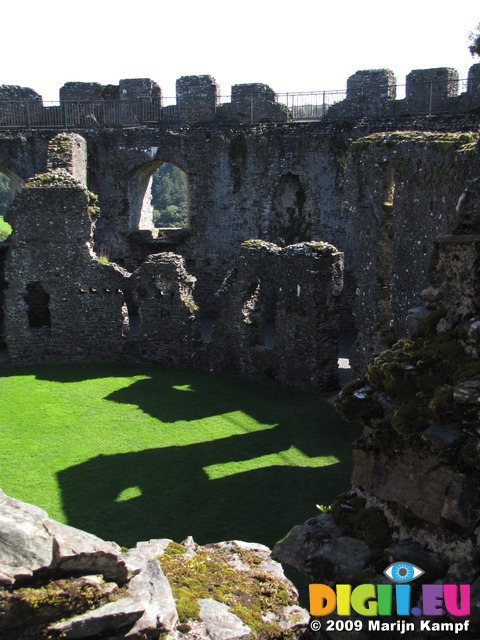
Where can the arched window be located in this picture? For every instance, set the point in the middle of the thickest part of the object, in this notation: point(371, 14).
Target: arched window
point(159, 197)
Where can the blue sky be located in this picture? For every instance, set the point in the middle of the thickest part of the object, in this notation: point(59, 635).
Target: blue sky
point(291, 46)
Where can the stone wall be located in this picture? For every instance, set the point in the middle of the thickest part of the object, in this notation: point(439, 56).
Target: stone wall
point(370, 94)
point(414, 496)
point(279, 317)
point(380, 196)
point(401, 189)
point(65, 303)
point(59, 303)
point(197, 98)
point(381, 199)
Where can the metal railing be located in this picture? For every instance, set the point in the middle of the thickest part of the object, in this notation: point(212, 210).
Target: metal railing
point(312, 105)
point(296, 106)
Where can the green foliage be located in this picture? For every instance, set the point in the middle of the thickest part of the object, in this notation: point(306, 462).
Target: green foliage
point(5, 229)
point(5, 199)
point(5, 194)
point(169, 197)
point(92, 204)
point(474, 39)
point(102, 257)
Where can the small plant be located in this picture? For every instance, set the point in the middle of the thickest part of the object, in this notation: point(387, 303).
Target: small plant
point(5, 229)
point(323, 508)
point(92, 205)
point(102, 257)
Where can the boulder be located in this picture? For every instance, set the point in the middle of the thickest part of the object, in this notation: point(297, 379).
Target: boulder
point(106, 592)
point(318, 549)
point(30, 541)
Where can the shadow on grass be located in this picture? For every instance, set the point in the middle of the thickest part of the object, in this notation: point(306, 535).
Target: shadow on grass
point(195, 488)
point(178, 499)
point(172, 492)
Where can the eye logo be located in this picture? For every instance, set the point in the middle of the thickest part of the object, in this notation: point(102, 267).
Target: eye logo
point(403, 572)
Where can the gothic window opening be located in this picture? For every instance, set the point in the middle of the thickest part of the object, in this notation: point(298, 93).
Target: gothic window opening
point(159, 198)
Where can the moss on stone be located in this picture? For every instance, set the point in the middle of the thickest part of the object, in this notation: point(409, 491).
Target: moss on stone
point(249, 594)
point(418, 375)
point(56, 178)
point(356, 406)
point(359, 521)
point(414, 368)
point(38, 607)
point(461, 141)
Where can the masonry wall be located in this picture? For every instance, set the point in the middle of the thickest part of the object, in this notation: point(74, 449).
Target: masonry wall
point(59, 304)
point(378, 193)
point(279, 315)
point(402, 191)
point(64, 303)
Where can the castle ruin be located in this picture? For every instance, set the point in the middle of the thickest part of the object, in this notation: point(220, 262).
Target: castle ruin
point(343, 211)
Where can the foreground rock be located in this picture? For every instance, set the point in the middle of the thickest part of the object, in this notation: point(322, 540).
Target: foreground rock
point(60, 582)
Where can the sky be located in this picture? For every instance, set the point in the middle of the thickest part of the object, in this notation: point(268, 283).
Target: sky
point(311, 45)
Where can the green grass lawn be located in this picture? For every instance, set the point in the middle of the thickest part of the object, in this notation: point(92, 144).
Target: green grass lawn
point(5, 229)
point(137, 452)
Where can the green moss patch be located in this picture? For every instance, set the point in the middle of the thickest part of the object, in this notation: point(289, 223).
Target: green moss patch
point(249, 594)
point(57, 178)
point(358, 521)
point(419, 374)
point(463, 141)
point(37, 608)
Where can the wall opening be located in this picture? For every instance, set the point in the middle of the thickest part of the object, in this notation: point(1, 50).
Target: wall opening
point(158, 195)
point(5, 200)
point(291, 219)
point(131, 317)
point(169, 190)
point(38, 311)
point(258, 310)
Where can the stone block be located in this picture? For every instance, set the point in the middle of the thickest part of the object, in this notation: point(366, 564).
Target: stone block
point(432, 491)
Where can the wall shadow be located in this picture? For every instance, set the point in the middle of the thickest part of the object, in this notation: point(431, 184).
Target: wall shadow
point(178, 499)
point(174, 495)
point(167, 491)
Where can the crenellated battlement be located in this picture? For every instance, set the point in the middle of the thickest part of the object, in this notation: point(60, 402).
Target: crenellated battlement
point(370, 94)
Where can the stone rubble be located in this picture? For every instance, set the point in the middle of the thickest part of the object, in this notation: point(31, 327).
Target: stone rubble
point(41, 558)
